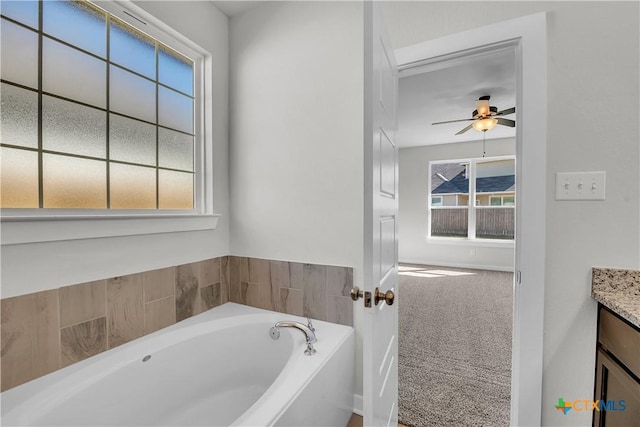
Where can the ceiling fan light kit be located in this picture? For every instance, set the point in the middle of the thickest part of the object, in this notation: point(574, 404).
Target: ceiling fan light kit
point(483, 117)
point(482, 107)
point(484, 125)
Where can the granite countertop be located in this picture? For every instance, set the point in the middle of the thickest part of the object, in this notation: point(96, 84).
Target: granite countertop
point(619, 290)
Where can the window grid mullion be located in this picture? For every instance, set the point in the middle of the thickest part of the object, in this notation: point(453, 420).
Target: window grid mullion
point(13, 21)
point(106, 58)
point(108, 107)
point(142, 76)
point(471, 229)
point(84, 104)
point(40, 142)
point(157, 131)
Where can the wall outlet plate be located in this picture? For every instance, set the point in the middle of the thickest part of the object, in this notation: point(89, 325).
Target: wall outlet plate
point(580, 185)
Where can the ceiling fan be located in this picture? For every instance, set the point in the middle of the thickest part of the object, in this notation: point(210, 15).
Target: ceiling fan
point(484, 117)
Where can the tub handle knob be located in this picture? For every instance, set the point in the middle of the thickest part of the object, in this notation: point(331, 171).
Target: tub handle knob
point(310, 351)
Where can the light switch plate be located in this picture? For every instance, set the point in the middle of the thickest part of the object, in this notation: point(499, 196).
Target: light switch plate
point(580, 185)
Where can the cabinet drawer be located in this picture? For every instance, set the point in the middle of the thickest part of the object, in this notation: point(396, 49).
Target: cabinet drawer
point(622, 340)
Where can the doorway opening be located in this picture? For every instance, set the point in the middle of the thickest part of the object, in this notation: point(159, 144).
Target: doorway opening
point(457, 210)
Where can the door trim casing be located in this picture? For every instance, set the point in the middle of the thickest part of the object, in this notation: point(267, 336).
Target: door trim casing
point(527, 36)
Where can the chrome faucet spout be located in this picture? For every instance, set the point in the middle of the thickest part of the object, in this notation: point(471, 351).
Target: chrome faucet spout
point(309, 334)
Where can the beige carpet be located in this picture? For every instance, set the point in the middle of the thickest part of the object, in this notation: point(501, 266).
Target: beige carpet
point(454, 346)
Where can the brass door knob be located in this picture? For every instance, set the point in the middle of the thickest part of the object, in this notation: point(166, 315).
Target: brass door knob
point(387, 297)
point(356, 293)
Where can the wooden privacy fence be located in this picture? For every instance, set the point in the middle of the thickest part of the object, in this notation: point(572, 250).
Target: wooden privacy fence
point(449, 222)
point(491, 223)
point(495, 223)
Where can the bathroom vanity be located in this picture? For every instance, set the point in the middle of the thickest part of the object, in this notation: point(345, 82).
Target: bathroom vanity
point(617, 381)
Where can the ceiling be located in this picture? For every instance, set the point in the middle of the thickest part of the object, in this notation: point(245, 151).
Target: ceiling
point(441, 91)
point(448, 92)
point(233, 8)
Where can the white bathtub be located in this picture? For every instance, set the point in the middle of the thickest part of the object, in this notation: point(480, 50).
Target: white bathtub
point(220, 368)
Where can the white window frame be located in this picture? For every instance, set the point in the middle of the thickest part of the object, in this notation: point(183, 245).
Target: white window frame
point(471, 238)
point(43, 225)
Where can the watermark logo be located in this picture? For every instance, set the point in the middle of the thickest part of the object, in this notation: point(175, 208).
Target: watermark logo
point(580, 405)
point(563, 406)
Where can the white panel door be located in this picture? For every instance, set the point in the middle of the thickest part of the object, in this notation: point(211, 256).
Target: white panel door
point(380, 334)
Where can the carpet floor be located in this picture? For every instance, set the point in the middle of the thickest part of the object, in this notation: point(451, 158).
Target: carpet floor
point(454, 346)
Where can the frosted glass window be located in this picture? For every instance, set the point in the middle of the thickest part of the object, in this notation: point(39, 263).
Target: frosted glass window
point(22, 11)
point(132, 187)
point(73, 128)
point(175, 110)
point(18, 116)
point(18, 178)
point(132, 95)
point(132, 141)
point(175, 150)
point(175, 70)
point(175, 190)
point(70, 73)
point(94, 112)
point(132, 49)
point(77, 23)
point(19, 51)
point(73, 183)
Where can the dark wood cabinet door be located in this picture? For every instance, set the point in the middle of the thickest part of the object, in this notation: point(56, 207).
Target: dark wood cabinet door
point(613, 383)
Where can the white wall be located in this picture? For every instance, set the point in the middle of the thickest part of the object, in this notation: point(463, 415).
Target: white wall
point(413, 247)
point(296, 134)
point(593, 113)
point(34, 267)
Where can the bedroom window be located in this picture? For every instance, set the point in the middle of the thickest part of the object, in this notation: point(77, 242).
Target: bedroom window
point(489, 182)
point(97, 114)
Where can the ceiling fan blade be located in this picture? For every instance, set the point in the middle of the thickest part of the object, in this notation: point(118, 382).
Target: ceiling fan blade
point(506, 122)
point(452, 121)
point(505, 112)
point(465, 129)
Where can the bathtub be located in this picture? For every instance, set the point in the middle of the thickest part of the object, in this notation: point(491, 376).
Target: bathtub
point(220, 368)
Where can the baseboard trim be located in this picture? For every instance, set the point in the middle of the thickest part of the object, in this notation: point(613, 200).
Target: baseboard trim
point(358, 404)
point(456, 265)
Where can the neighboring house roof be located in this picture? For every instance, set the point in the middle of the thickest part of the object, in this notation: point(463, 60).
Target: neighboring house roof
point(491, 184)
point(495, 184)
point(449, 171)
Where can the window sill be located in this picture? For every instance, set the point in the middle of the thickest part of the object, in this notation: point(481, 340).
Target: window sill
point(20, 230)
point(485, 243)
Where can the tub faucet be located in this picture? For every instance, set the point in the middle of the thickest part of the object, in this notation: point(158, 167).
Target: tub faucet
point(308, 332)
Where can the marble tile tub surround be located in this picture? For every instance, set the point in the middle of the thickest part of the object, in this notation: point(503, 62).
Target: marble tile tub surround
point(619, 290)
point(49, 330)
point(317, 291)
